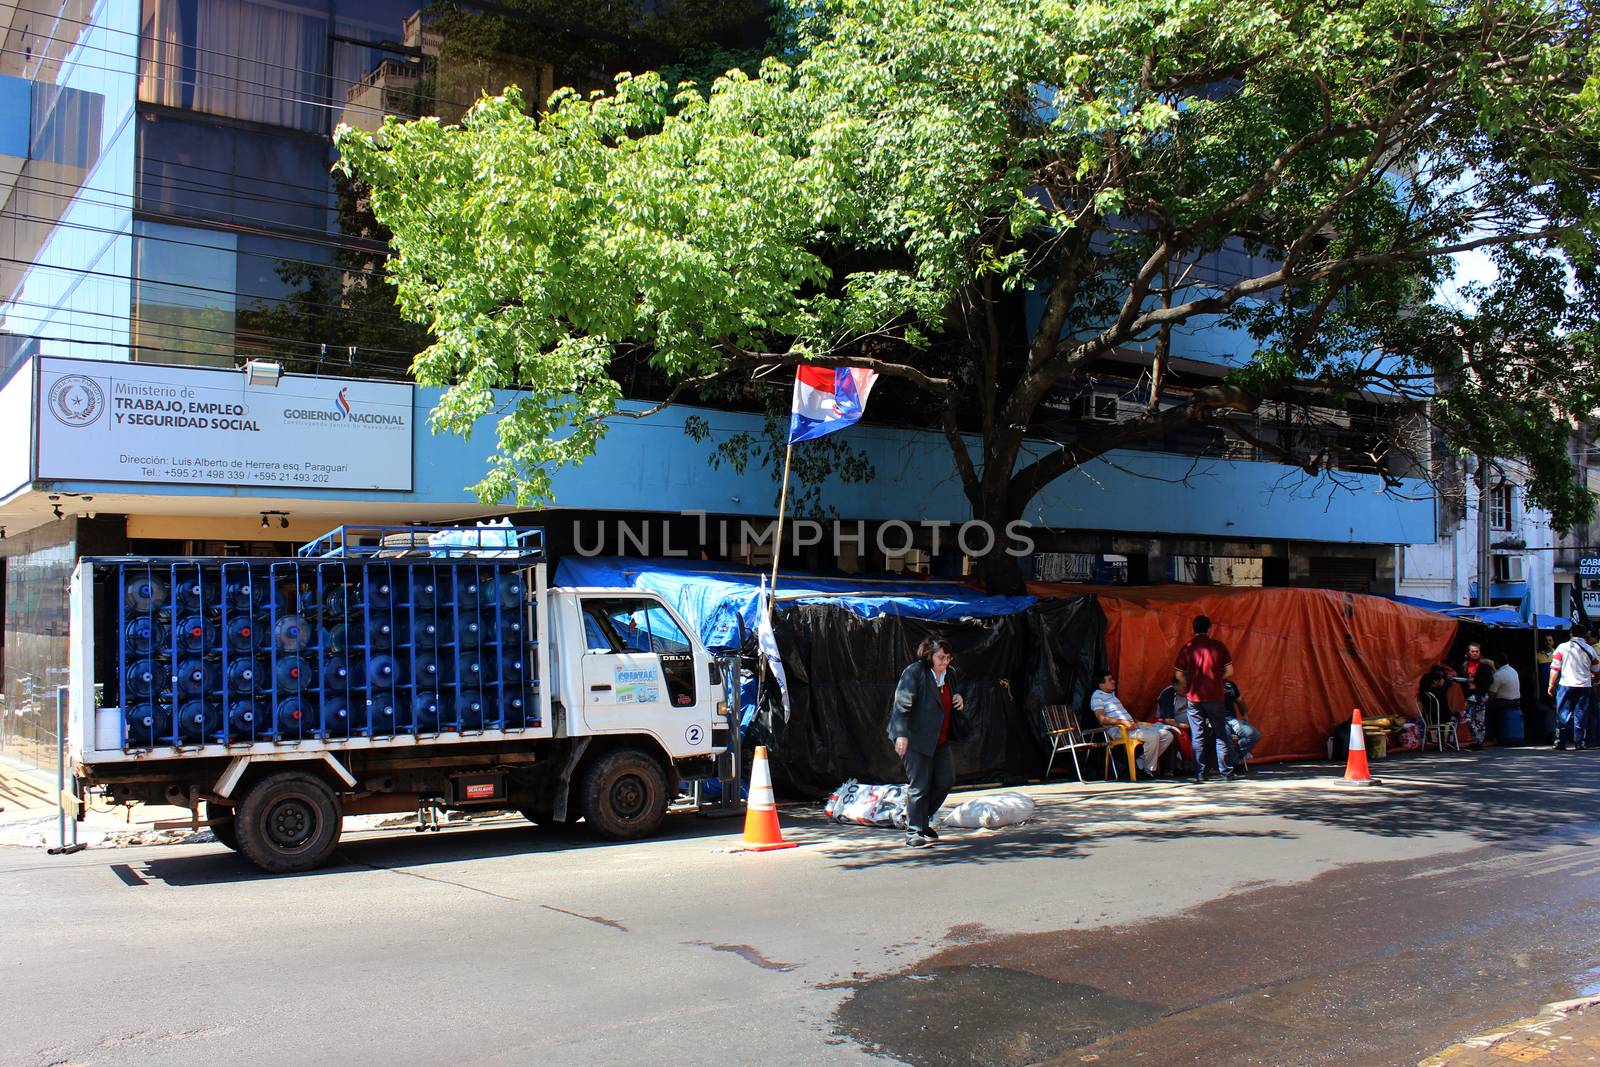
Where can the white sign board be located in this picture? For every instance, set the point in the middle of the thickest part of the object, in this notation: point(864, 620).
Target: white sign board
point(140, 422)
point(1591, 603)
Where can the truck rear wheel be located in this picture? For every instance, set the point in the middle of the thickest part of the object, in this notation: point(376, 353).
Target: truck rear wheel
point(624, 795)
point(224, 827)
point(288, 822)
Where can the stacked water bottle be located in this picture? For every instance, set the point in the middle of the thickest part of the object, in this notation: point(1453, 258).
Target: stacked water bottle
point(232, 652)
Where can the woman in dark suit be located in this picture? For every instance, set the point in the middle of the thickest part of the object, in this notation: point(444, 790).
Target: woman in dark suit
point(923, 720)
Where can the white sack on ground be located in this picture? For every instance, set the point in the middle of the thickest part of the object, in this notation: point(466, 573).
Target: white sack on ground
point(988, 813)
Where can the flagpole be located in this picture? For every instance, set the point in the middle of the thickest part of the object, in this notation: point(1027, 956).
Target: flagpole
point(783, 500)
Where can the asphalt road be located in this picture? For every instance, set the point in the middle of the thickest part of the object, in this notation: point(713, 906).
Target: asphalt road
point(1282, 920)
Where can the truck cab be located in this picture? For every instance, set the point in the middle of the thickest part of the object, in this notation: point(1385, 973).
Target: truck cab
point(627, 663)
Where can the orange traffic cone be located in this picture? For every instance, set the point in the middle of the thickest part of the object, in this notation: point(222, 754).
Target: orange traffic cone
point(761, 830)
point(1355, 767)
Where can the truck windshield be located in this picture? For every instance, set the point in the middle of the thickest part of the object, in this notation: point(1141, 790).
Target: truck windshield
point(626, 624)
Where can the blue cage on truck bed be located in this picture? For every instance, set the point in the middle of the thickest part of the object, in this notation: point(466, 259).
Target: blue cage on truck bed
point(368, 632)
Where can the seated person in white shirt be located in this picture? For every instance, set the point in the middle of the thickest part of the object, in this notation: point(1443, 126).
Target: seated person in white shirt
point(1505, 693)
point(1110, 713)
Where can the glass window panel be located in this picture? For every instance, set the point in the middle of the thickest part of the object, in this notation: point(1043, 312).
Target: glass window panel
point(257, 60)
point(239, 177)
point(185, 308)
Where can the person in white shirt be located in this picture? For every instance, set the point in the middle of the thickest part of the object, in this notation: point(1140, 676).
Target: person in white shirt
point(1505, 693)
point(1110, 713)
point(1572, 671)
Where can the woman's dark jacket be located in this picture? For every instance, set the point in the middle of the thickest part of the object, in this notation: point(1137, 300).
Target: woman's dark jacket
point(917, 712)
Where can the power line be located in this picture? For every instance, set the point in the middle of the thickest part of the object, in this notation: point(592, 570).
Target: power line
point(525, 18)
point(33, 265)
point(155, 69)
point(87, 228)
point(201, 352)
point(232, 335)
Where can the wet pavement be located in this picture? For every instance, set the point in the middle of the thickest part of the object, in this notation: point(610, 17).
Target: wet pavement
point(1380, 963)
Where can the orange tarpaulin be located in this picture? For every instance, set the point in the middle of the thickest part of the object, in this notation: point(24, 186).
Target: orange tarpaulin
point(1302, 658)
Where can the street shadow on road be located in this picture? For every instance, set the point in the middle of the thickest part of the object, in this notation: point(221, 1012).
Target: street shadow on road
point(1506, 796)
point(1498, 796)
point(404, 848)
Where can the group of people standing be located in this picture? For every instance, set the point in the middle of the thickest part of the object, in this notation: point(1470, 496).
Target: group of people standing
point(1570, 677)
point(1202, 713)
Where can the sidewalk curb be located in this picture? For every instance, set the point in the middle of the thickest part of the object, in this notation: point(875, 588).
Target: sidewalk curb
point(1548, 1016)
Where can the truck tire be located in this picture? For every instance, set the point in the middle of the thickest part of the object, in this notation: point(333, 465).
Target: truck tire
point(224, 827)
point(288, 822)
point(624, 795)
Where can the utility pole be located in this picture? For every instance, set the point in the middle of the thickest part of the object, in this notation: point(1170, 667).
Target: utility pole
point(1484, 574)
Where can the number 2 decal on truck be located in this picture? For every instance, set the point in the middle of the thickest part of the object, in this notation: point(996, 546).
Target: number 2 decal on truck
point(695, 735)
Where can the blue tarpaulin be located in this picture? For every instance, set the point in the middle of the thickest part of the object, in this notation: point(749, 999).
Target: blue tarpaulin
point(720, 600)
point(1499, 615)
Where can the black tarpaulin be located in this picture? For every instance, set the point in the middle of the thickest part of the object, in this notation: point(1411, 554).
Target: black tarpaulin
point(842, 669)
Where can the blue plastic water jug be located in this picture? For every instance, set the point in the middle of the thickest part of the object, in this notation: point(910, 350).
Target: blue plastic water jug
point(242, 720)
point(336, 717)
point(142, 678)
point(338, 668)
point(382, 671)
point(144, 593)
point(144, 635)
point(196, 633)
point(241, 633)
point(242, 676)
point(198, 677)
point(199, 721)
point(148, 725)
point(425, 712)
point(292, 717)
point(381, 712)
point(191, 592)
point(293, 633)
point(293, 673)
point(469, 710)
point(380, 593)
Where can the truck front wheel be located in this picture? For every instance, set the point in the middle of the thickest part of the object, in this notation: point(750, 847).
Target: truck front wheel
point(624, 795)
point(288, 822)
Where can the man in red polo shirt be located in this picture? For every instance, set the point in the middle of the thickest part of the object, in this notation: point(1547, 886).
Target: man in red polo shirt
point(1203, 665)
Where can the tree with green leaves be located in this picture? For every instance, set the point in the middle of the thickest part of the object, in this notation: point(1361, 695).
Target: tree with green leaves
point(985, 200)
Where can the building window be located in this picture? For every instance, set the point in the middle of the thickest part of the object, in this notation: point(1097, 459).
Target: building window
point(1507, 569)
point(1500, 506)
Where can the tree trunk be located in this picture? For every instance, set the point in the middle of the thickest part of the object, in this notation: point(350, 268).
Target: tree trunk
point(1002, 574)
point(1000, 568)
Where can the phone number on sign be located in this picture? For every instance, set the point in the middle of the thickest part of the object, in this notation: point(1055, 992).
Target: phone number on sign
point(239, 474)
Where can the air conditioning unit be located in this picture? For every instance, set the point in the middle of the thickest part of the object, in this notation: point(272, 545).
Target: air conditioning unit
point(1509, 569)
point(1094, 407)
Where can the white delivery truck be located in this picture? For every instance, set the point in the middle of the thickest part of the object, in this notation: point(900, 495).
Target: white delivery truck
point(385, 669)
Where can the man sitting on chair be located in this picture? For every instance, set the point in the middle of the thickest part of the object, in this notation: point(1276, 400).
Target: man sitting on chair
point(1171, 713)
point(1111, 714)
point(1241, 733)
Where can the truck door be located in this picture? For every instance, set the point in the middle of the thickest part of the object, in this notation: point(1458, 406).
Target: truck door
point(638, 668)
